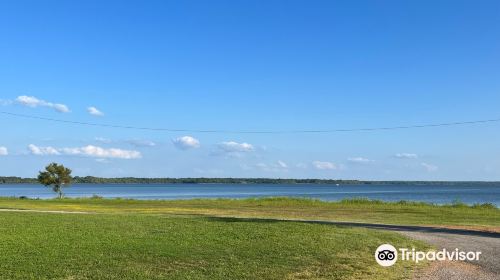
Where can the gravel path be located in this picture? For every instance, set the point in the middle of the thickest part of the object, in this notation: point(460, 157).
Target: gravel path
point(487, 267)
point(455, 270)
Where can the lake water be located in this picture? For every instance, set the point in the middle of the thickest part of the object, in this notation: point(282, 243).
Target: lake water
point(440, 194)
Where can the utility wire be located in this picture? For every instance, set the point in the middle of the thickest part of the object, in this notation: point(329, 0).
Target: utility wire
point(250, 131)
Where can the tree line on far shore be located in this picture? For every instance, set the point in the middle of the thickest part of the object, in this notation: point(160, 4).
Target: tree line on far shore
point(133, 180)
point(57, 176)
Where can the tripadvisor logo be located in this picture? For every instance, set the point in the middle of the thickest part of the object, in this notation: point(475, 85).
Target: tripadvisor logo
point(387, 255)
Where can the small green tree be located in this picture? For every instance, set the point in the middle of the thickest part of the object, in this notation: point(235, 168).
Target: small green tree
point(55, 176)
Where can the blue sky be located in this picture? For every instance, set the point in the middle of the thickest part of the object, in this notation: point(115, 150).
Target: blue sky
point(251, 65)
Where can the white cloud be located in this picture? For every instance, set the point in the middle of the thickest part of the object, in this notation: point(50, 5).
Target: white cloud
point(94, 151)
point(90, 151)
point(60, 108)
point(33, 102)
point(30, 101)
point(141, 143)
point(282, 164)
point(361, 160)
point(324, 165)
point(429, 167)
point(94, 111)
point(186, 142)
point(406, 156)
point(234, 147)
point(43, 151)
point(3, 151)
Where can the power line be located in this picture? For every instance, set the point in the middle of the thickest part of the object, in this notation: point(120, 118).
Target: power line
point(251, 131)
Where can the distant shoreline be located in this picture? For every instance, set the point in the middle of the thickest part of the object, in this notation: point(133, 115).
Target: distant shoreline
point(238, 181)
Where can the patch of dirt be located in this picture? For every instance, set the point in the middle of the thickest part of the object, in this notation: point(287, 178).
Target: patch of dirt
point(450, 270)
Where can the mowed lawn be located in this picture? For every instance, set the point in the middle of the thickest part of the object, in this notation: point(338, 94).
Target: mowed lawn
point(481, 217)
point(159, 246)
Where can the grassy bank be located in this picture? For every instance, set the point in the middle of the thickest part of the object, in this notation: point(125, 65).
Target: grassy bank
point(141, 246)
point(485, 217)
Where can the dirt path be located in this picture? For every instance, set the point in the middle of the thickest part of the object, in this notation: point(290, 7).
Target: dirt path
point(488, 266)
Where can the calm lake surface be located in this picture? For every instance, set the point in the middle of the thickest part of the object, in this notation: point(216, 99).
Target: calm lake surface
point(440, 194)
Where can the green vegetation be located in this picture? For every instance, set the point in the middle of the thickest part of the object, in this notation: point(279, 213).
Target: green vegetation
point(484, 216)
point(17, 180)
point(132, 180)
point(209, 239)
point(55, 176)
point(142, 246)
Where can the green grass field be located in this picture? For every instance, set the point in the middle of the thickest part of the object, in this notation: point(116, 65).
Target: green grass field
point(357, 210)
point(142, 246)
point(198, 239)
